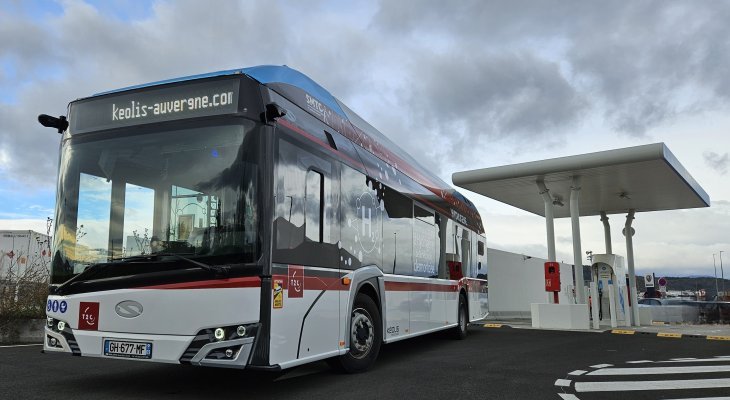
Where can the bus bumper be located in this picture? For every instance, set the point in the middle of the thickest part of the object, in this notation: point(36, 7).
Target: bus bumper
point(200, 350)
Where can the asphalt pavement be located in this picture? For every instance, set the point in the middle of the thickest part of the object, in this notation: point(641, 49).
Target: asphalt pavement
point(493, 363)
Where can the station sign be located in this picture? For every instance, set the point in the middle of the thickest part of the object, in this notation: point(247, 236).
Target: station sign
point(156, 104)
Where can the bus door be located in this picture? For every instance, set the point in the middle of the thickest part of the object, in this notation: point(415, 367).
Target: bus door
point(305, 315)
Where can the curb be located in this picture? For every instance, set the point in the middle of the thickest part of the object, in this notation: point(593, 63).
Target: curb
point(672, 335)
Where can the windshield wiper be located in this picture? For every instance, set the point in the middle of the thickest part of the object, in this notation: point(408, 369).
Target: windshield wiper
point(216, 269)
point(91, 270)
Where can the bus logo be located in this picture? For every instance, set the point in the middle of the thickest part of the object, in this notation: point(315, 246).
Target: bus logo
point(128, 309)
point(295, 285)
point(278, 293)
point(89, 316)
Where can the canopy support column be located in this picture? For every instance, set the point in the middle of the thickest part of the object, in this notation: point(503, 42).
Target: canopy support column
point(606, 232)
point(580, 296)
point(549, 225)
point(629, 233)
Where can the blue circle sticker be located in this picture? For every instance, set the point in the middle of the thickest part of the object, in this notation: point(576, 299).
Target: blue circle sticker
point(54, 307)
point(48, 306)
point(63, 306)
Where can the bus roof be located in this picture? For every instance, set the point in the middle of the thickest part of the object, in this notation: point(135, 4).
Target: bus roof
point(275, 75)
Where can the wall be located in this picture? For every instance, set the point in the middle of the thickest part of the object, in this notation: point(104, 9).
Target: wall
point(516, 281)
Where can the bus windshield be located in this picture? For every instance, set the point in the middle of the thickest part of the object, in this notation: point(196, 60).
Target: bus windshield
point(191, 192)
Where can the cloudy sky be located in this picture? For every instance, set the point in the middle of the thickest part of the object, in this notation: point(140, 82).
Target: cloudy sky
point(492, 82)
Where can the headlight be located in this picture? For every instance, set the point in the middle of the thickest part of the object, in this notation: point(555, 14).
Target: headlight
point(219, 334)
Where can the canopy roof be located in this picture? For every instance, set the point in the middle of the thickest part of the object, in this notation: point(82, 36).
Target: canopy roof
point(644, 178)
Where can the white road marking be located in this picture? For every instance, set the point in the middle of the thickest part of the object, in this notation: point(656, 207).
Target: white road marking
point(639, 362)
point(562, 382)
point(683, 359)
point(722, 359)
point(568, 396)
point(601, 366)
point(624, 386)
point(661, 370)
point(706, 398)
point(577, 372)
point(21, 345)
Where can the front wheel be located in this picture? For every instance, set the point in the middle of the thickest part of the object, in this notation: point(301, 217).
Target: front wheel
point(460, 329)
point(366, 336)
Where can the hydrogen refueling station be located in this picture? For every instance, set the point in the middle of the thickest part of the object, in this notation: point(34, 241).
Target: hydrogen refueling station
point(625, 181)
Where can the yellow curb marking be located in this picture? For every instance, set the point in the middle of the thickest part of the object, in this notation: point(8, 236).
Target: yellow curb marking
point(623, 332)
point(718, 338)
point(492, 325)
point(658, 323)
point(669, 334)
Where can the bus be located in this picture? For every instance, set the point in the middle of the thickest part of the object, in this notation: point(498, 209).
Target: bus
point(249, 219)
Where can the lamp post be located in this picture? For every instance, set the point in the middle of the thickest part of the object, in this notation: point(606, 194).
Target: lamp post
point(722, 275)
point(717, 288)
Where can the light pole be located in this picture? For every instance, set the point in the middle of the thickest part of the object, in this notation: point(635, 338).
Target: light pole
point(717, 288)
point(722, 275)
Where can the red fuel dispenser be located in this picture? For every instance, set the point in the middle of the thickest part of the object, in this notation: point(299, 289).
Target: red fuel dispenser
point(552, 279)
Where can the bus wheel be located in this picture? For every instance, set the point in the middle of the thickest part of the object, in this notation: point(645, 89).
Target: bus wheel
point(366, 335)
point(460, 329)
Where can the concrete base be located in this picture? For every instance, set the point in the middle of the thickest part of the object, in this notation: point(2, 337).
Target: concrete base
point(560, 316)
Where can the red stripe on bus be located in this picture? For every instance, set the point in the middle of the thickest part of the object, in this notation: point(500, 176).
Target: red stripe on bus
point(418, 287)
point(244, 282)
point(315, 283)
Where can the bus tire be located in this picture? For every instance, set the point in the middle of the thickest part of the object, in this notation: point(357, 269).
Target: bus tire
point(366, 336)
point(460, 330)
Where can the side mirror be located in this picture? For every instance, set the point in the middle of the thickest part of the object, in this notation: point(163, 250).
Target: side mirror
point(60, 123)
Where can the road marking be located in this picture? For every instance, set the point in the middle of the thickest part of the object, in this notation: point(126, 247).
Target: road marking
point(21, 345)
point(706, 398)
point(718, 337)
point(683, 359)
point(568, 396)
point(669, 334)
point(601, 366)
point(562, 382)
point(689, 360)
point(577, 372)
point(623, 331)
point(492, 325)
point(661, 370)
point(639, 362)
point(624, 386)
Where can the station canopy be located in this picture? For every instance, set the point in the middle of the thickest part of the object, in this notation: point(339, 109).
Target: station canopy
point(643, 178)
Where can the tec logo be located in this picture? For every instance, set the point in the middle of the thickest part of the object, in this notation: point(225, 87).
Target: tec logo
point(89, 316)
point(56, 306)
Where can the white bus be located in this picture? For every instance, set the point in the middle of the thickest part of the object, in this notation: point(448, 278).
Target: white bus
point(249, 219)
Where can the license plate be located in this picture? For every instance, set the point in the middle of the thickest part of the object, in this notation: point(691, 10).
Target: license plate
point(121, 348)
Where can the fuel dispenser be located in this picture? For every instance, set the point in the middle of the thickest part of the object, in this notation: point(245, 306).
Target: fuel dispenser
point(609, 293)
point(552, 279)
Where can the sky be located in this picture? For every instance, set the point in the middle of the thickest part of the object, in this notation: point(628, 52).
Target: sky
point(461, 85)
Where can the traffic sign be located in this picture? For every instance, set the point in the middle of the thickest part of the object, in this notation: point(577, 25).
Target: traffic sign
point(648, 280)
point(662, 281)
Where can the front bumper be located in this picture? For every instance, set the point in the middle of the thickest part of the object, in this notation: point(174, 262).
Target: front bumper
point(201, 349)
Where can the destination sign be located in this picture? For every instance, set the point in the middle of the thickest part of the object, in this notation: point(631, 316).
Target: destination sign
point(155, 105)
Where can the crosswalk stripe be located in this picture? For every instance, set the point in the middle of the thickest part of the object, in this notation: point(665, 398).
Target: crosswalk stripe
point(624, 386)
point(704, 398)
point(661, 370)
point(639, 362)
point(601, 365)
point(577, 372)
point(562, 382)
point(568, 396)
point(717, 359)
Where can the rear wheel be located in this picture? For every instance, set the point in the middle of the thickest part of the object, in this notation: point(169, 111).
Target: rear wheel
point(366, 336)
point(460, 329)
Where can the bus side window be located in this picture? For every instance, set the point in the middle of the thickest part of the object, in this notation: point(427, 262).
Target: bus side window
point(313, 208)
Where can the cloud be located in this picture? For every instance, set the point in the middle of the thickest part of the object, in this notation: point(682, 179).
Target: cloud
point(716, 161)
point(640, 64)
